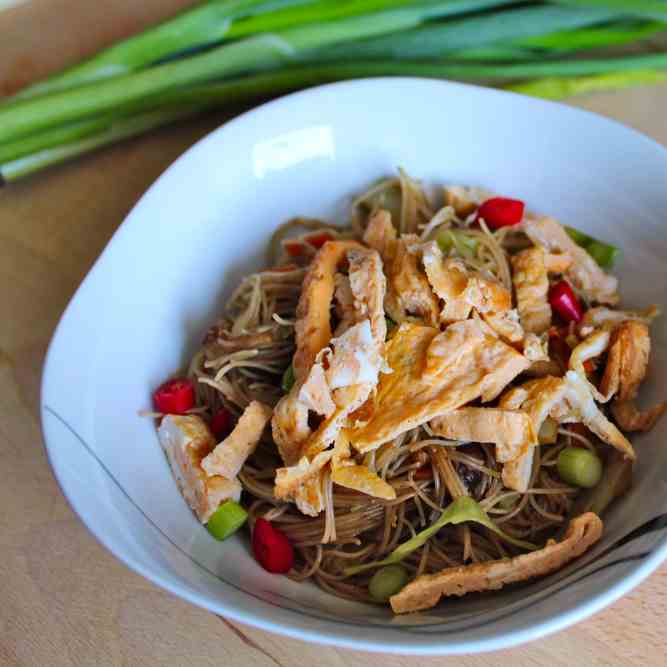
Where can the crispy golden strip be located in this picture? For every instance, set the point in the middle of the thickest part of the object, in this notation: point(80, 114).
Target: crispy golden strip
point(630, 418)
point(425, 591)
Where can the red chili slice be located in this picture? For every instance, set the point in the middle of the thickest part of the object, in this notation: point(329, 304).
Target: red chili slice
point(174, 397)
point(294, 248)
point(318, 239)
point(564, 301)
point(222, 424)
point(501, 212)
point(272, 548)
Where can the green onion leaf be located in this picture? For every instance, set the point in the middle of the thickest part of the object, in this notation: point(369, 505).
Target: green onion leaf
point(595, 37)
point(603, 253)
point(435, 40)
point(578, 237)
point(460, 510)
point(653, 9)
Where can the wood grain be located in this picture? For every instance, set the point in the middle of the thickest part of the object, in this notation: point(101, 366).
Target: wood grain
point(63, 599)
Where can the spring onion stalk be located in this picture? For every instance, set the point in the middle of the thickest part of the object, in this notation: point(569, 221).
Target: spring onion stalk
point(442, 39)
point(255, 53)
point(652, 9)
point(61, 134)
point(131, 127)
point(180, 103)
point(496, 54)
point(564, 68)
point(34, 115)
point(323, 10)
point(227, 51)
point(593, 38)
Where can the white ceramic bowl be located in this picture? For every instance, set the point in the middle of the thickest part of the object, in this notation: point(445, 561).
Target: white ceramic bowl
point(142, 309)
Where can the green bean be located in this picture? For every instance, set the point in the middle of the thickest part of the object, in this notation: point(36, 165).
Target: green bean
point(387, 581)
point(579, 467)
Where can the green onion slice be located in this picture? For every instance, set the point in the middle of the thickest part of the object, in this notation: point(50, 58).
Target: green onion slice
point(226, 520)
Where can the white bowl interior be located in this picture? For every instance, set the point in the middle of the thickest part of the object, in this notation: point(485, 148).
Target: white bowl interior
point(142, 310)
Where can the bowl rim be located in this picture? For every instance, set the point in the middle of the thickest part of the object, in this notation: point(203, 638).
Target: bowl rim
point(331, 633)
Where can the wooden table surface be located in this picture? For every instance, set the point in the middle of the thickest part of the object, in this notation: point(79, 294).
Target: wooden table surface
point(63, 599)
